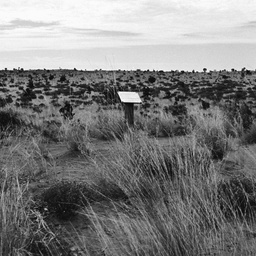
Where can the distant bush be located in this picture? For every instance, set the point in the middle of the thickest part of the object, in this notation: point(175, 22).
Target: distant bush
point(151, 79)
point(37, 91)
point(51, 77)
point(176, 110)
point(62, 78)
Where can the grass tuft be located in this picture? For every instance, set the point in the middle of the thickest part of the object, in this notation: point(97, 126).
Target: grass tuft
point(237, 197)
point(77, 137)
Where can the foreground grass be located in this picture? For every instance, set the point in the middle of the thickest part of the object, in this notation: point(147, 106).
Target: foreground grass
point(174, 209)
point(23, 230)
point(162, 199)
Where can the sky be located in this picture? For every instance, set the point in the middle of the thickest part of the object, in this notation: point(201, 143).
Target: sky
point(128, 34)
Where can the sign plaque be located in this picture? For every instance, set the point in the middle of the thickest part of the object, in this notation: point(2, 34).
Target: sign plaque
point(129, 99)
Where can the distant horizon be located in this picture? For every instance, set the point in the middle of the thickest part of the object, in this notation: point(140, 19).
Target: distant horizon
point(119, 70)
point(161, 57)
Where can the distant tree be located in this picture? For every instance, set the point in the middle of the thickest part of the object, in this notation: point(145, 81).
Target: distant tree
point(151, 79)
point(204, 69)
point(243, 72)
point(248, 72)
point(51, 77)
point(31, 84)
point(62, 78)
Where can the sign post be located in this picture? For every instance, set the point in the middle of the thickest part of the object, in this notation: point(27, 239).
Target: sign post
point(129, 99)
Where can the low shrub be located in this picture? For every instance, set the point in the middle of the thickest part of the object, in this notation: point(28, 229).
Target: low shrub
point(63, 199)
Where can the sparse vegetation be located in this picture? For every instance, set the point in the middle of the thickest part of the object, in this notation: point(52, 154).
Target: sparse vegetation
point(180, 182)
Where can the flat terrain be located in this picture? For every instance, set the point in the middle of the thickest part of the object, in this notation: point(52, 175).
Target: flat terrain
point(40, 93)
point(39, 89)
point(63, 164)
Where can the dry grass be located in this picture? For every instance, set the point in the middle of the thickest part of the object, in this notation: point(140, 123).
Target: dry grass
point(23, 230)
point(162, 199)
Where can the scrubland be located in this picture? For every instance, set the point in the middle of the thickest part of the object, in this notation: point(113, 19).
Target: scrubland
point(171, 185)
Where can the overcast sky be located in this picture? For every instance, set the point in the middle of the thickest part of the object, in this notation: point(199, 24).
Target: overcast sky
point(128, 34)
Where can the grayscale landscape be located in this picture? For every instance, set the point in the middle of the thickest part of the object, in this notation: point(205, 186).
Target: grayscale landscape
point(84, 173)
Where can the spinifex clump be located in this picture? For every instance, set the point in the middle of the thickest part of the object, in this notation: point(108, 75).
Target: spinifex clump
point(9, 119)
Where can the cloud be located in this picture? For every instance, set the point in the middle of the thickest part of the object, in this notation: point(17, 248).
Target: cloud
point(194, 35)
point(19, 23)
point(101, 33)
point(250, 24)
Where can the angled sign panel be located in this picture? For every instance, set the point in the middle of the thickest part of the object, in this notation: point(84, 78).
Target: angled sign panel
point(129, 97)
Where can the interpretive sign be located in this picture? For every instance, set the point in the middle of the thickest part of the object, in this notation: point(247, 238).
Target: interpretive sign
point(129, 99)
